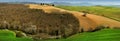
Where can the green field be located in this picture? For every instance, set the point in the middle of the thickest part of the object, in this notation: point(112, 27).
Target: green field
point(7, 35)
point(107, 11)
point(102, 35)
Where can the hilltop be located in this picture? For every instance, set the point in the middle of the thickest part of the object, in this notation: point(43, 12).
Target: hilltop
point(94, 19)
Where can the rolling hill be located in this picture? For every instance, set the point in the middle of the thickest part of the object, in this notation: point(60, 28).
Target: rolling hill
point(46, 22)
point(90, 22)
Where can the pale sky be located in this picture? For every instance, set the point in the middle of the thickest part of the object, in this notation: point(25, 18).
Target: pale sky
point(82, 0)
point(105, 2)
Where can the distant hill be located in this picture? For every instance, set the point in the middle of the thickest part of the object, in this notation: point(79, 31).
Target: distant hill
point(116, 6)
point(64, 3)
point(61, 3)
point(72, 4)
point(56, 3)
point(20, 2)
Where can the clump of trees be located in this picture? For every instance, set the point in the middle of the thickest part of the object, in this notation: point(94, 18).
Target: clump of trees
point(47, 4)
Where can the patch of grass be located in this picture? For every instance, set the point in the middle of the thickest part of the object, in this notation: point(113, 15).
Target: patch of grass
point(106, 11)
point(7, 35)
point(102, 35)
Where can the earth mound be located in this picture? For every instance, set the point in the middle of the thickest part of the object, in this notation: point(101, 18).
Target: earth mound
point(43, 22)
point(35, 22)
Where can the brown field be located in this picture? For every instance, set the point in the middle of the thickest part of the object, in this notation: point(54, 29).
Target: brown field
point(89, 23)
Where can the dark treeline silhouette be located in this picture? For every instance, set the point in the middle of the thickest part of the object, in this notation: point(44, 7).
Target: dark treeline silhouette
point(47, 4)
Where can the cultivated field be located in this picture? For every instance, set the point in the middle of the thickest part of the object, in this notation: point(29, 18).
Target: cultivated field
point(48, 23)
point(106, 11)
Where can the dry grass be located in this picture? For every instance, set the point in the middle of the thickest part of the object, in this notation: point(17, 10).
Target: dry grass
point(88, 23)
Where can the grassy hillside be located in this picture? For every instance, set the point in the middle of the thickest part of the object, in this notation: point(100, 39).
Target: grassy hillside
point(107, 11)
point(102, 35)
point(7, 35)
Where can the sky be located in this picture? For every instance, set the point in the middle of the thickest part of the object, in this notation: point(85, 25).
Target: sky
point(59, 0)
point(104, 2)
